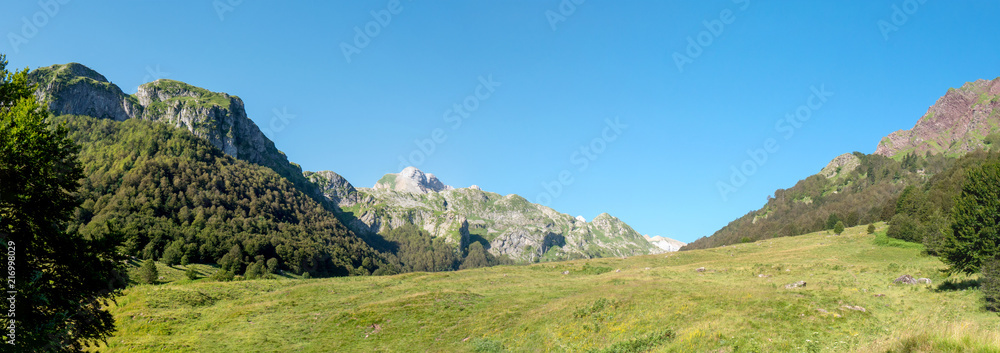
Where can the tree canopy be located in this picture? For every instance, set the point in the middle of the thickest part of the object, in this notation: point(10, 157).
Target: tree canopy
point(62, 281)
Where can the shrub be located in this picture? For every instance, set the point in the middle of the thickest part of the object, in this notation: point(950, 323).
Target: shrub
point(871, 228)
point(148, 273)
point(191, 273)
point(486, 345)
point(989, 284)
point(904, 227)
point(223, 276)
point(838, 228)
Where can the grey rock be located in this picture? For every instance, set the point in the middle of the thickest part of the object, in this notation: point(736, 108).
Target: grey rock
point(795, 285)
point(905, 279)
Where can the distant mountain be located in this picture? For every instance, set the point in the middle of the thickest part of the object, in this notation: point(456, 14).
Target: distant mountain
point(505, 225)
point(666, 244)
point(959, 122)
point(858, 188)
point(187, 172)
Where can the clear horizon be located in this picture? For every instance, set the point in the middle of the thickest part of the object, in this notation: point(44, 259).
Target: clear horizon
point(642, 110)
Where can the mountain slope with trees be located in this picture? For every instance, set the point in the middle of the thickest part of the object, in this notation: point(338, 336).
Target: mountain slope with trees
point(865, 188)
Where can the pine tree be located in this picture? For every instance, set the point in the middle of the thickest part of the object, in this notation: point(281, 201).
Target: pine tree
point(148, 272)
point(838, 228)
point(976, 221)
point(989, 284)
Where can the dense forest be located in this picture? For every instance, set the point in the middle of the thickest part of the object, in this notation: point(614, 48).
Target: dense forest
point(914, 192)
point(178, 198)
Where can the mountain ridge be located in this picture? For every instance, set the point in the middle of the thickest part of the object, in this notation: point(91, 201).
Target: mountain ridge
point(512, 226)
point(506, 225)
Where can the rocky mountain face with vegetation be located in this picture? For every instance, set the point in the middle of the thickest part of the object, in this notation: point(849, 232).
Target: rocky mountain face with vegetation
point(506, 225)
point(924, 164)
point(961, 121)
point(211, 202)
point(219, 118)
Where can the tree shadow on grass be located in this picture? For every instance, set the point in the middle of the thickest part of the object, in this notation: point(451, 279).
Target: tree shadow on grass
point(957, 285)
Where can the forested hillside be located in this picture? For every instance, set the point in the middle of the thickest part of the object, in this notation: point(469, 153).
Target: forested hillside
point(178, 198)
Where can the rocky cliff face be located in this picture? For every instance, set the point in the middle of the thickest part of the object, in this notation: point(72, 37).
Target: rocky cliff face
point(956, 124)
point(507, 225)
point(76, 89)
point(217, 117)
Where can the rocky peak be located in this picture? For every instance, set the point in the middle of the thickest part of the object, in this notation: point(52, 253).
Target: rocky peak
point(665, 243)
point(844, 163)
point(333, 186)
point(956, 124)
point(412, 180)
point(78, 90)
point(216, 117)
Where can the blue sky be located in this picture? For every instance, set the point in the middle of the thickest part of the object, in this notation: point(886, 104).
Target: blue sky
point(560, 71)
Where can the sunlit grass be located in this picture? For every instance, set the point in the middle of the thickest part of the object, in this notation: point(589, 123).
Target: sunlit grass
point(657, 303)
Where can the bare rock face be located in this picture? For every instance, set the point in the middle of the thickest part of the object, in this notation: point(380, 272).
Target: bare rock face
point(334, 187)
point(217, 117)
point(955, 124)
point(76, 89)
point(843, 164)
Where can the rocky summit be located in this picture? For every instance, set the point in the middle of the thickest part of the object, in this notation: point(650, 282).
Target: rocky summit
point(219, 118)
point(506, 225)
point(411, 180)
point(957, 123)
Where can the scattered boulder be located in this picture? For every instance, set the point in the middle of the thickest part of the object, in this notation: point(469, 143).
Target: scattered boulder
point(822, 311)
point(618, 270)
point(879, 295)
point(905, 279)
point(855, 308)
point(795, 285)
point(763, 276)
point(700, 269)
point(924, 280)
point(565, 272)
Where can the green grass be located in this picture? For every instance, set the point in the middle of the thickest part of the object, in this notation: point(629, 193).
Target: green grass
point(656, 303)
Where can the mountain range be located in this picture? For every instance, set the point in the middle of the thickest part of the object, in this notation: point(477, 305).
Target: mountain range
point(506, 226)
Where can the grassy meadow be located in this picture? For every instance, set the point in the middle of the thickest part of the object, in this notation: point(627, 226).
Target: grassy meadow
point(655, 303)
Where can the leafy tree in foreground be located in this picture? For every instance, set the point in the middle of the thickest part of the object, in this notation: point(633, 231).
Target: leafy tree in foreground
point(976, 221)
point(62, 280)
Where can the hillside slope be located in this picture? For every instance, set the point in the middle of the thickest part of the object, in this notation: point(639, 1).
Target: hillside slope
point(860, 188)
point(958, 123)
point(505, 225)
point(737, 302)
